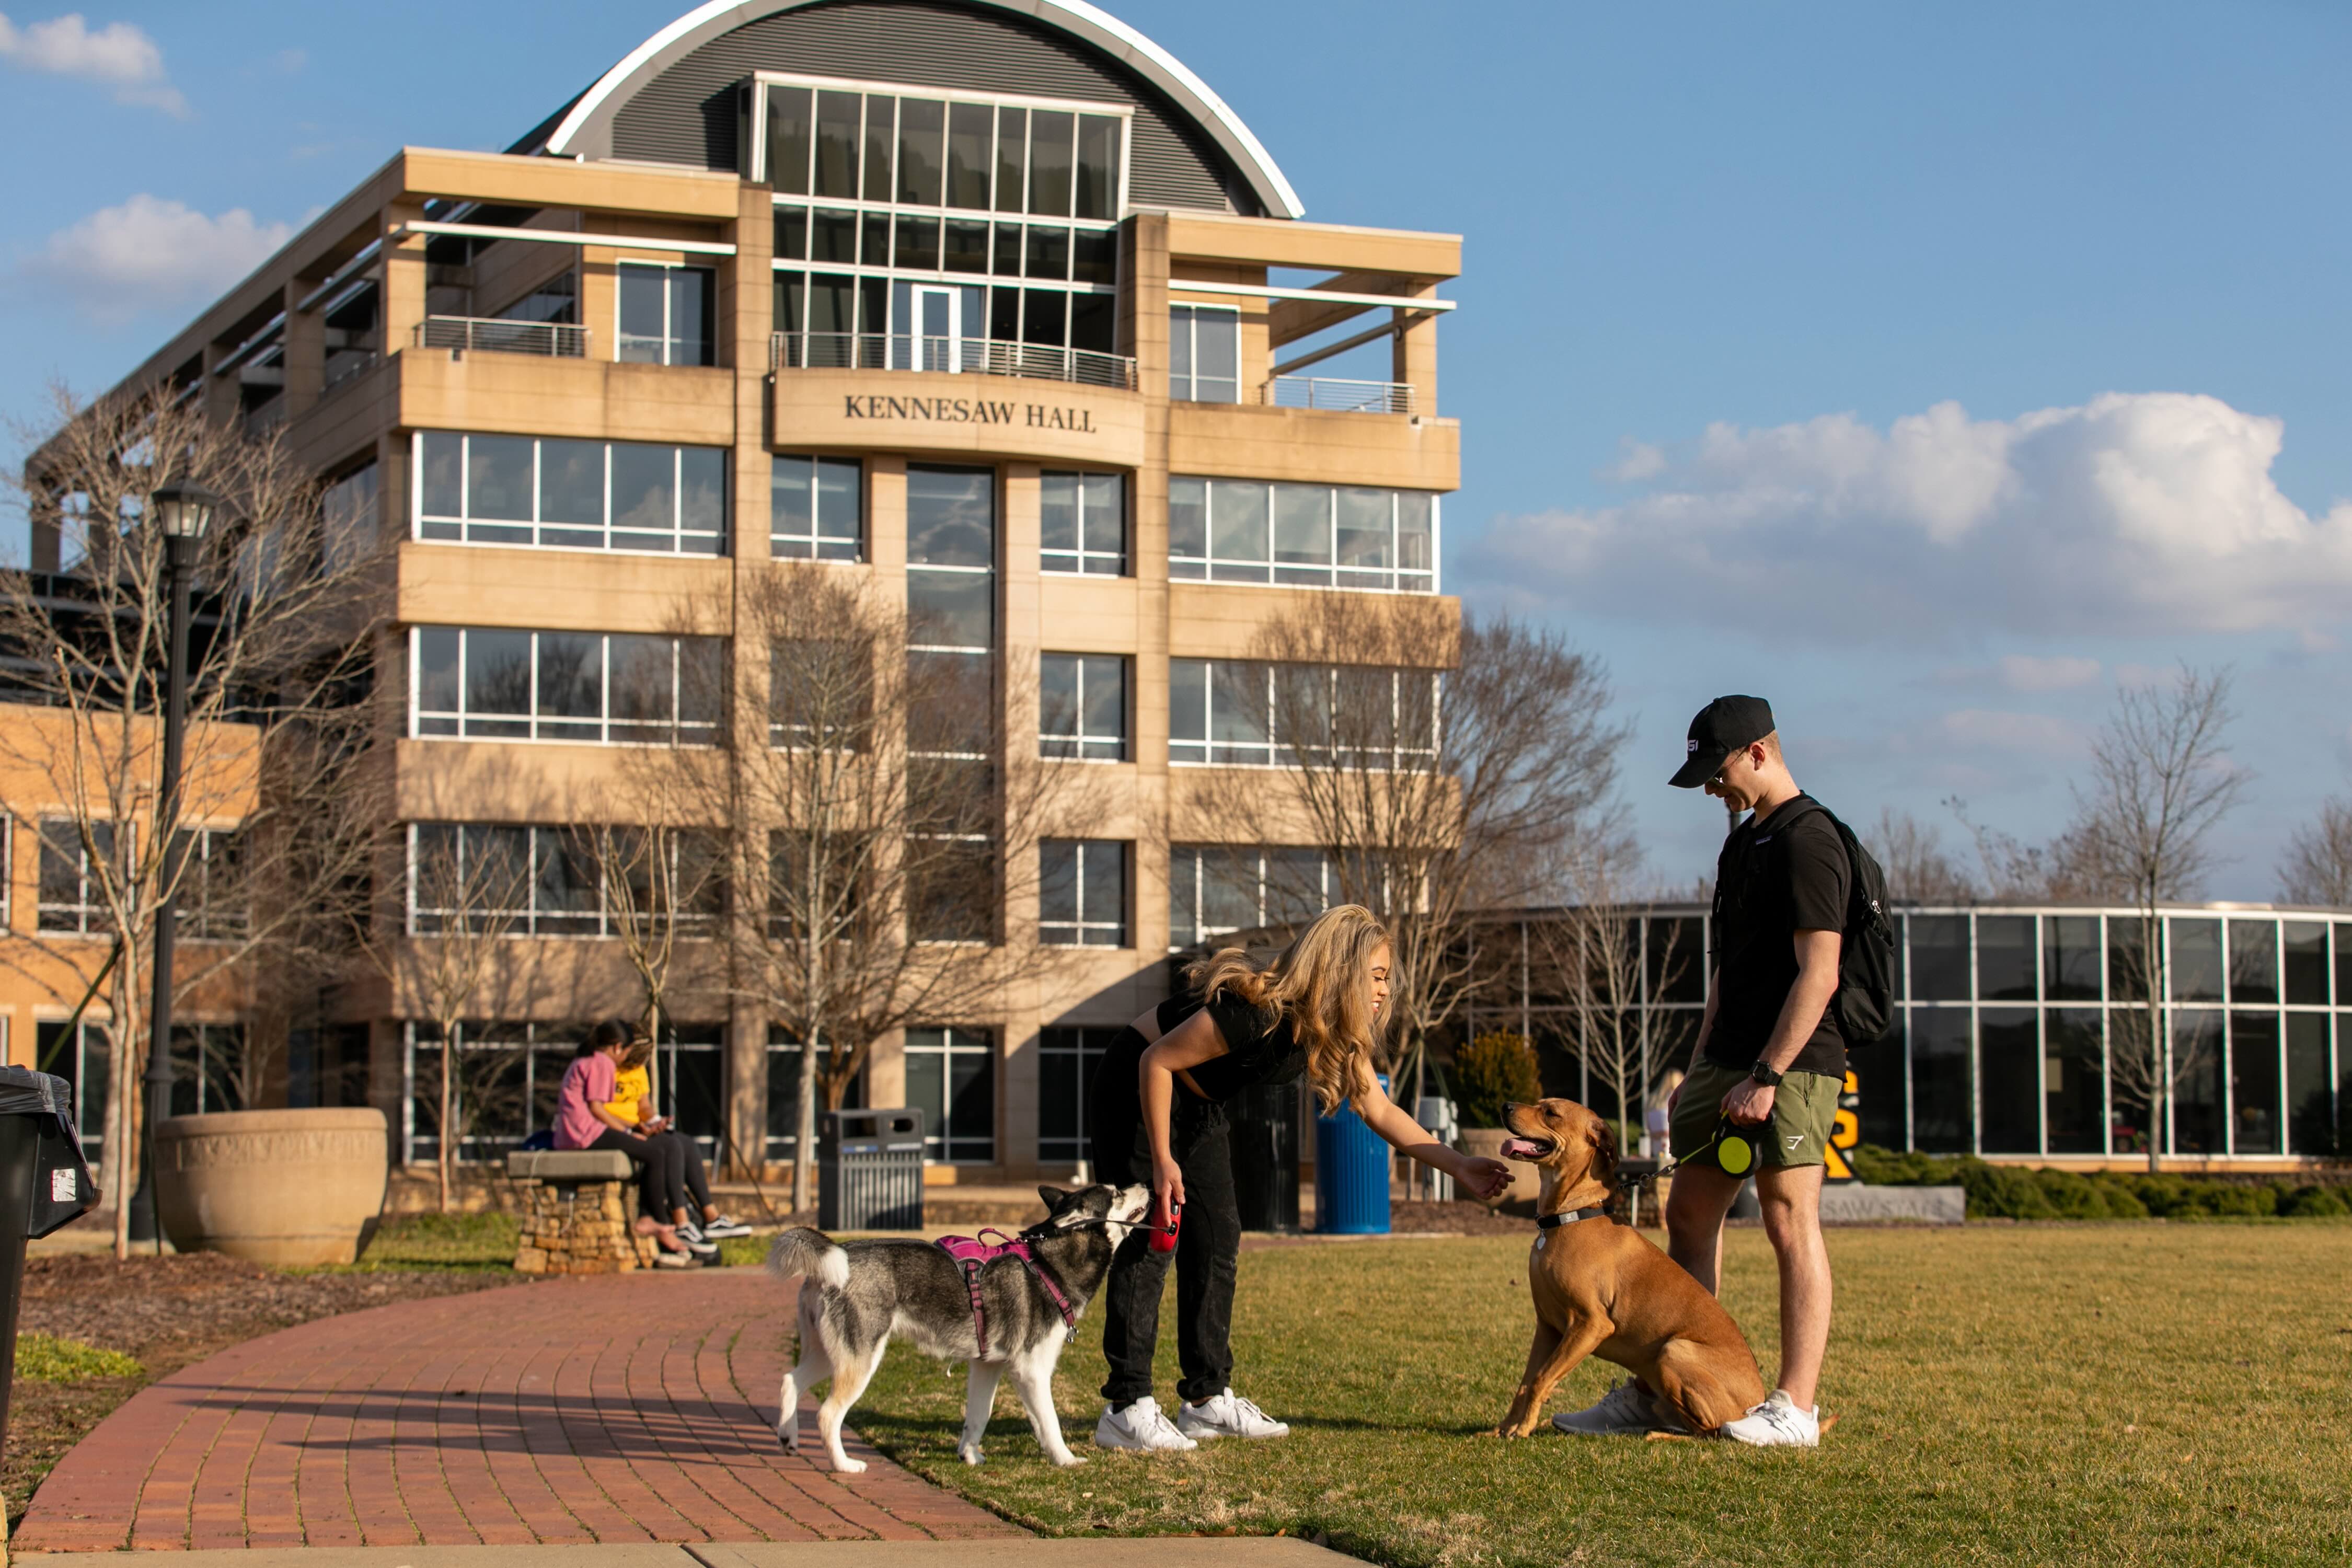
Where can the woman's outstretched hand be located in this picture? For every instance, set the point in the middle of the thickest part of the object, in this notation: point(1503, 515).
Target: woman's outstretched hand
point(1488, 1178)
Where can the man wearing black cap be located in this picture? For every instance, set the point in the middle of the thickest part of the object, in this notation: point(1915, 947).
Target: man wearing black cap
point(1769, 1059)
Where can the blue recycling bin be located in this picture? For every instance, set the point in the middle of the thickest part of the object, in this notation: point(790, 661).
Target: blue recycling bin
point(1351, 1175)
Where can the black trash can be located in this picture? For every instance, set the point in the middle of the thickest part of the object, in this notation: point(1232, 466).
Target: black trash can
point(869, 1170)
point(44, 1183)
point(1262, 1128)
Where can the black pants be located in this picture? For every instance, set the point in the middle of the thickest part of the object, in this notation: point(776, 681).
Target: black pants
point(1208, 1242)
point(670, 1171)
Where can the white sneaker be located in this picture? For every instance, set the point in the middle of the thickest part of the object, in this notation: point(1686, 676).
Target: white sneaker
point(1625, 1408)
point(1228, 1414)
point(1140, 1428)
point(1777, 1424)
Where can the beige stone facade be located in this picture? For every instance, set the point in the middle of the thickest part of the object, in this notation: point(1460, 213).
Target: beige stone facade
point(449, 242)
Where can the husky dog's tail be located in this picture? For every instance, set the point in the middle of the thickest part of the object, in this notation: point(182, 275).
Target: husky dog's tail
point(812, 1253)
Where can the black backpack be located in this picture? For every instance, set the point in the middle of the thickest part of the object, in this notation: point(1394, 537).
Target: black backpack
point(1865, 1003)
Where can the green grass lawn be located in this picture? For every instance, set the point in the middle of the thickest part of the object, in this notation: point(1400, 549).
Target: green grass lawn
point(2144, 1393)
point(429, 1243)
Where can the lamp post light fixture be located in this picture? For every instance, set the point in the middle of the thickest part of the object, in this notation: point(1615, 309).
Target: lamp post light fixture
point(183, 510)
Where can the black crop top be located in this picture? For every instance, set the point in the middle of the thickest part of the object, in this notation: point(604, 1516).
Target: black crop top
point(1259, 1046)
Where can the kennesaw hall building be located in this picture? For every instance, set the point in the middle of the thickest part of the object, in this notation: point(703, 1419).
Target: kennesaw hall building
point(992, 305)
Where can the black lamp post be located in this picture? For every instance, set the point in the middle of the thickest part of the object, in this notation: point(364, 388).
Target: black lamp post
point(183, 510)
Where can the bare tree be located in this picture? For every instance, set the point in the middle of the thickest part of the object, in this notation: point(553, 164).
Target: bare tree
point(1917, 870)
point(1437, 770)
point(1597, 961)
point(2013, 871)
point(2317, 868)
point(470, 886)
point(2161, 781)
point(279, 656)
point(879, 822)
point(659, 885)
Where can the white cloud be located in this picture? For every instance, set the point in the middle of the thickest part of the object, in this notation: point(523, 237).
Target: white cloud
point(2135, 513)
point(147, 252)
point(2034, 734)
point(119, 55)
point(1636, 461)
point(2024, 672)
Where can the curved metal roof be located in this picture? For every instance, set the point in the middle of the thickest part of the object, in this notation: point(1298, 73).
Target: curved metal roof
point(594, 110)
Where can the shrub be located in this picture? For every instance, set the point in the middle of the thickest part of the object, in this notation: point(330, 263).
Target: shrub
point(1491, 1072)
point(2315, 1202)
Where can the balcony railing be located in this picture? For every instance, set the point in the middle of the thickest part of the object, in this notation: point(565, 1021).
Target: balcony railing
point(1348, 396)
point(479, 335)
point(963, 357)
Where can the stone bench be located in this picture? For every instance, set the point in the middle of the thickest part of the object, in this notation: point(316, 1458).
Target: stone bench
point(576, 1212)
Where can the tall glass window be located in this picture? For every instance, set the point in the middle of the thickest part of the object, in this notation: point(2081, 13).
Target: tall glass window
point(72, 888)
point(1082, 706)
point(951, 1074)
point(1066, 1059)
point(1214, 888)
point(2199, 1102)
point(2310, 1105)
point(1082, 523)
point(1082, 892)
point(1943, 1087)
point(666, 315)
point(1204, 354)
point(1302, 536)
point(1228, 713)
point(816, 509)
point(951, 581)
point(486, 683)
point(2009, 1073)
point(570, 495)
point(83, 1057)
point(2257, 1125)
point(2075, 1081)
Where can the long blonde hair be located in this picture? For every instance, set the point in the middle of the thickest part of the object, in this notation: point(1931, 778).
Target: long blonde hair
point(1319, 983)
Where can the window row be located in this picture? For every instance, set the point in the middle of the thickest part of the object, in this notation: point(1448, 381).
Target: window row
point(72, 896)
point(506, 1076)
point(1217, 888)
point(972, 153)
point(2069, 958)
point(498, 684)
point(572, 495)
point(1243, 713)
point(836, 322)
point(926, 242)
point(575, 880)
point(1309, 536)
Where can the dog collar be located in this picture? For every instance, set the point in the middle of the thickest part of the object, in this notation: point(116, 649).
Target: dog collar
point(1564, 1217)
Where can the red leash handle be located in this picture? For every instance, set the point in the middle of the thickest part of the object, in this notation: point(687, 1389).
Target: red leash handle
point(1164, 1222)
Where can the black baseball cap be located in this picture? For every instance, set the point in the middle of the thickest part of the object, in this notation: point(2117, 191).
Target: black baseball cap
point(1722, 727)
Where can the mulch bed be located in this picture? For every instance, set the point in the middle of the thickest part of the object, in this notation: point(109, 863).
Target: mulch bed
point(168, 1311)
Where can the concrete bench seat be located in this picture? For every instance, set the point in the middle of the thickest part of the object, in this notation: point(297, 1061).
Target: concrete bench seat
point(572, 1166)
point(576, 1211)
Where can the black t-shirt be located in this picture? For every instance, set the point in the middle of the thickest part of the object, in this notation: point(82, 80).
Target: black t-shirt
point(1259, 1046)
point(1774, 879)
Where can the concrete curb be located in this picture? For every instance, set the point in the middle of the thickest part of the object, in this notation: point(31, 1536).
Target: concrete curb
point(1163, 1551)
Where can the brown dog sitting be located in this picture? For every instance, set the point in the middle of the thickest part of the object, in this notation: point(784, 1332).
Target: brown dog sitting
point(1602, 1288)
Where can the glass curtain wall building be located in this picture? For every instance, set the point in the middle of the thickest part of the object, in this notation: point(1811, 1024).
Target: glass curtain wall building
point(2024, 1032)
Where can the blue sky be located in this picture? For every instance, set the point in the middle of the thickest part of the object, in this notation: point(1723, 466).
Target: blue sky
point(1927, 370)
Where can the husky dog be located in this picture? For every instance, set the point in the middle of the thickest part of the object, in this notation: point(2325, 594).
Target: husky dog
point(857, 1294)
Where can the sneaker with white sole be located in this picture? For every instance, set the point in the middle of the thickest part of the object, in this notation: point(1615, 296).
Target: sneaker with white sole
point(1625, 1409)
point(718, 1226)
point(673, 1260)
point(1140, 1429)
point(1227, 1415)
point(1778, 1423)
point(692, 1235)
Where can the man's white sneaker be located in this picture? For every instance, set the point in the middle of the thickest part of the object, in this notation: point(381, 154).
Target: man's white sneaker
point(1777, 1424)
point(1228, 1414)
point(1140, 1428)
point(1625, 1408)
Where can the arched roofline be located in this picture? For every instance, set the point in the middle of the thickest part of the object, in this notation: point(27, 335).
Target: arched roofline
point(594, 109)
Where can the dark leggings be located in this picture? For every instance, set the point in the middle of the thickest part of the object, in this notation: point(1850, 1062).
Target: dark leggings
point(1208, 1242)
point(670, 1171)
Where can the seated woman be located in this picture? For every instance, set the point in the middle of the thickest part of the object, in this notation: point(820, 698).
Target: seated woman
point(682, 1176)
point(584, 1121)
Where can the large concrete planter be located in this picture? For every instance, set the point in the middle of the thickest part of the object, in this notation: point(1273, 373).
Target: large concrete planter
point(1526, 1184)
point(278, 1187)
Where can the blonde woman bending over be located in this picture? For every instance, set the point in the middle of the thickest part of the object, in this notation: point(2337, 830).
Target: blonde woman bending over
point(1158, 1117)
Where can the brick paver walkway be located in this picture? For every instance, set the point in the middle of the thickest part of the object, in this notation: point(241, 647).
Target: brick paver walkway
point(627, 1408)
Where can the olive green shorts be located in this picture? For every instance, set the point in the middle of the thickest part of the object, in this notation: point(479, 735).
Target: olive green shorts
point(1804, 1111)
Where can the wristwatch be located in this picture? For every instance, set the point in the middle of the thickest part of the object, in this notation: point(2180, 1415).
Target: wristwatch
point(1764, 1075)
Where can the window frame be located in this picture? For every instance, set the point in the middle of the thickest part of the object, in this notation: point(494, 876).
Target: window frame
point(1207, 751)
point(1194, 312)
point(419, 518)
point(1192, 859)
point(953, 1044)
point(1085, 922)
point(605, 723)
point(669, 338)
point(1069, 1048)
point(1270, 572)
point(1083, 559)
point(1078, 740)
point(90, 915)
point(527, 921)
point(817, 539)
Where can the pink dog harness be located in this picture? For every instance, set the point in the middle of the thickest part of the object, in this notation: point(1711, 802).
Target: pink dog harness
point(971, 1254)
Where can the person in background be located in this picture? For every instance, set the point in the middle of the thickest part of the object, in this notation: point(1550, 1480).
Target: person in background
point(583, 1120)
point(683, 1177)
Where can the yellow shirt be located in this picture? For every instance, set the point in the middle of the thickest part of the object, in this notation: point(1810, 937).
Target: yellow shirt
point(632, 1087)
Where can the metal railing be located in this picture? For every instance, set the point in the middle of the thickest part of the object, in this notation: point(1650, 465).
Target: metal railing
point(344, 364)
point(479, 334)
point(963, 357)
point(1348, 397)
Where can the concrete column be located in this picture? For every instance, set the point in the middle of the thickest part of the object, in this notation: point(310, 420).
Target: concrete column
point(306, 351)
point(1023, 643)
point(1147, 265)
point(1414, 356)
point(404, 279)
